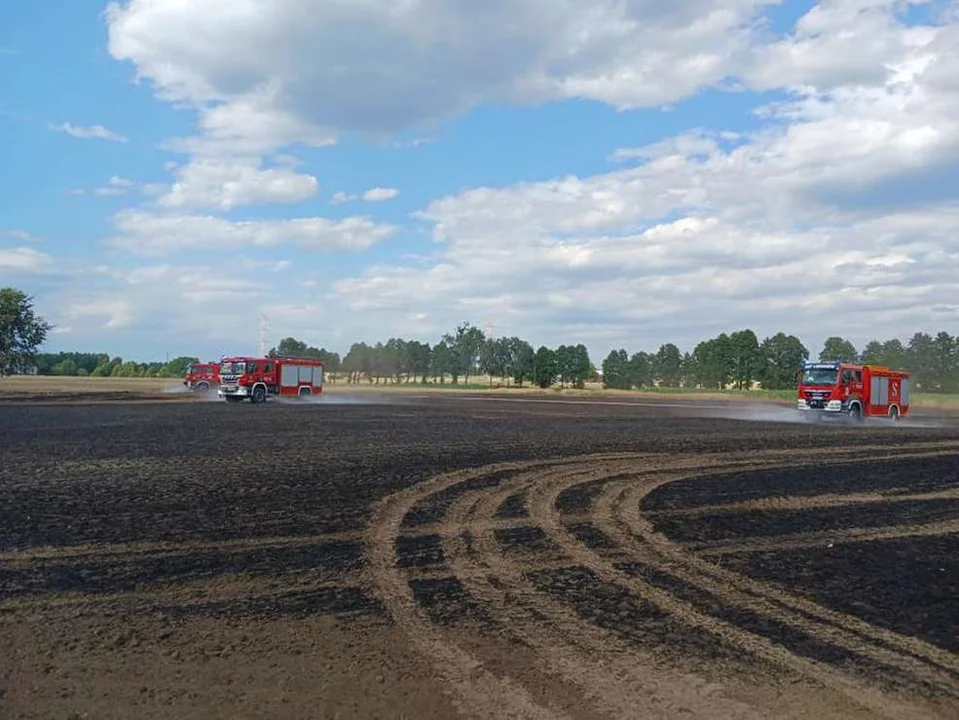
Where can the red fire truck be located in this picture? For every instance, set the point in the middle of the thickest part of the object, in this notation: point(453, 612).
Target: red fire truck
point(259, 378)
point(852, 391)
point(202, 377)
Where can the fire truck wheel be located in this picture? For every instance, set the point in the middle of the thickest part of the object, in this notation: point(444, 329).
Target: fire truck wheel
point(259, 395)
point(855, 413)
point(202, 387)
point(304, 393)
point(894, 413)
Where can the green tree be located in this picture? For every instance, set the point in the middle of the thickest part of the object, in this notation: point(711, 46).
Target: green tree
point(837, 348)
point(545, 369)
point(22, 331)
point(782, 355)
point(616, 370)
point(746, 360)
point(177, 366)
point(639, 370)
point(464, 344)
point(713, 360)
point(668, 365)
point(442, 361)
point(522, 358)
point(922, 361)
point(581, 366)
point(946, 354)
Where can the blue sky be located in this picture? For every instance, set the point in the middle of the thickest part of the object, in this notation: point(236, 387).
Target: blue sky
point(682, 171)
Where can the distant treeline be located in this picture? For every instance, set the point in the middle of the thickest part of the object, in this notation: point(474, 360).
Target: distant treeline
point(734, 360)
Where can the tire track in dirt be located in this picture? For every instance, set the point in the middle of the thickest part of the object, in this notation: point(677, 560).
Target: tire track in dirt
point(642, 529)
point(568, 645)
point(616, 516)
point(795, 541)
point(610, 673)
point(542, 501)
point(804, 503)
point(477, 691)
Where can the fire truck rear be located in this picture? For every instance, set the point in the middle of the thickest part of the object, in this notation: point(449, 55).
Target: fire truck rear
point(202, 377)
point(852, 391)
point(257, 379)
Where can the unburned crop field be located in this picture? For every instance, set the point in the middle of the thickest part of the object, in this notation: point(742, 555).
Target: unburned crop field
point(446, 555)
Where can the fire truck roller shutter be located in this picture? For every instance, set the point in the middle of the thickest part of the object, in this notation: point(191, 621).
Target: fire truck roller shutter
point(289, 375)
point(904, 392)
point(306, 373)
point(879, 391)
point(317, 375)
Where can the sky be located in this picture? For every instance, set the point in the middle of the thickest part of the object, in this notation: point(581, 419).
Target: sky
point(183, 178)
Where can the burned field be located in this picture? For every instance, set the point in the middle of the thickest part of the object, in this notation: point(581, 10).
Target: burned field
point(426, 557)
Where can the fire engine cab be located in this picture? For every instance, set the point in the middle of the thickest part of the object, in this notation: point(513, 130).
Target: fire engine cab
point(201, 377)
point(853, 391)
point(259, 378)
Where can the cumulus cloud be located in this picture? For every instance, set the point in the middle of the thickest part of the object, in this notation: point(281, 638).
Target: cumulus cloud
point(225, 184)
point(379, 194)
point(836, 209)
point(94, 131)
point(830, 209)
point(340, 197)
point(21, 235)
point(23, 259)
point(287, 70)
point(148, 233)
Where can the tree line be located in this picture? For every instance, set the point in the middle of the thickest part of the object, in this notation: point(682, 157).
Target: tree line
point(459, 355)
point(730, 360)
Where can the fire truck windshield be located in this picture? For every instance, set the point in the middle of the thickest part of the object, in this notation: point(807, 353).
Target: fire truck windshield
point(232, 368)
point(820, 376)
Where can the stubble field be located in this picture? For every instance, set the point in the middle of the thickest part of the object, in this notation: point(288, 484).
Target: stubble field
point(423, 556)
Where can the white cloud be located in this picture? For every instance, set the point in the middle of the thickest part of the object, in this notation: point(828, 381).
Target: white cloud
point(110, 314)
point(225, 184)
point(94, 131)
point(23, 259)
point(825, 216)
point(379, 194)
point(115, 186)
point(157, 234)
point(286, 70)
point(835, 215)
point(21, 235)
point(340, 197)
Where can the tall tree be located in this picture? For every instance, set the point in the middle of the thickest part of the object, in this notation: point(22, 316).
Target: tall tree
point(782, 356)
point(22, 331)
point(522, 359)
point(580, 366)
point(713, 360)
point(947, 361)
point(922, 360)
point(464, 344)
point(545, 368)
point(746, 360)
point(616, 370)
point(668, 365)
point(640, 370)
point(837, 348)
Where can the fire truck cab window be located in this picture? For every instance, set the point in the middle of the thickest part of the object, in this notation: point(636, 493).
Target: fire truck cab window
point(847, 376)
point(268, 367)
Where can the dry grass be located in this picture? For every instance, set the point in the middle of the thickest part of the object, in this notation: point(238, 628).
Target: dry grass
point(45, 384)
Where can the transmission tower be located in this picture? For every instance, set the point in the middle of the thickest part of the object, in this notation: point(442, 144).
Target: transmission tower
point(264, 334)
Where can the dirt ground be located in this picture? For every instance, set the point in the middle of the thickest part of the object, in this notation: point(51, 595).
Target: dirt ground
point(442, 556)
